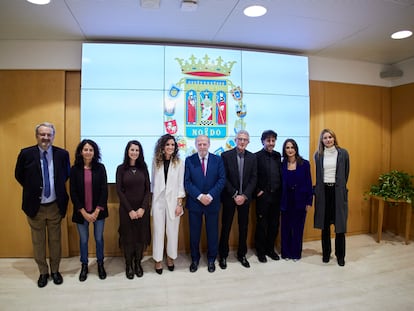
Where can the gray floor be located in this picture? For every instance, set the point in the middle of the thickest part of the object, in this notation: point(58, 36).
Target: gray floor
point(375, 277)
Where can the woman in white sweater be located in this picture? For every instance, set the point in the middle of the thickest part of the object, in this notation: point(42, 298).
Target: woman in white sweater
point(167, 200)
point(331, 194)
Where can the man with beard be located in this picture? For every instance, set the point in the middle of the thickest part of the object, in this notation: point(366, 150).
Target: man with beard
point(42, 170)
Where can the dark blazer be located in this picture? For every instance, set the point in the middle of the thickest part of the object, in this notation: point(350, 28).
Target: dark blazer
point(303, 187)
point(99, 191)
point(196, 183)
point(232, 175)
point(341, 192)
point(28, 173)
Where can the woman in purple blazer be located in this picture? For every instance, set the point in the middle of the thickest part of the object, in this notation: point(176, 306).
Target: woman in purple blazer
point(296, 199)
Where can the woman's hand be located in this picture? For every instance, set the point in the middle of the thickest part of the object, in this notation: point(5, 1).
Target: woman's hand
point(140, 212)
point(179, 210)
point(133, 215)
point(89, 217)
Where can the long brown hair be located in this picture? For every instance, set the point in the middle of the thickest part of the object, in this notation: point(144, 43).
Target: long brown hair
point(298, 157)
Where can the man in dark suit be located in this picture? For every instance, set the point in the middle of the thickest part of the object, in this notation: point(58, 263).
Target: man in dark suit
point(42, 170)
point(241, 177)
point(269, 185)
point(204, 180)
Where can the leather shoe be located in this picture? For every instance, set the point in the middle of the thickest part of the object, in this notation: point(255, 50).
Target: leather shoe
point(171, 268)
point(42, 281)
point(138, 270)
point(244, 261)
point(129, 272)
point(273, 255)
point(84, 273)
point(193, 266)
point(262, 258)
point(211, 267)
point(223, 263)
point(341, 262)
point(101, 271)
point(57, 278)
point(325, 259)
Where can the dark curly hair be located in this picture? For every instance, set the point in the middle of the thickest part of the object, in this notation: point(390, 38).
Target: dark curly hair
point(159, 150)
point(78, 153)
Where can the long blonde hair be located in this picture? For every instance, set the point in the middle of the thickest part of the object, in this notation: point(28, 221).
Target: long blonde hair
point(321, 146)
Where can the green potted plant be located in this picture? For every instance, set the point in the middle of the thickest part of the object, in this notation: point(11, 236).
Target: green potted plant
point(395, 185)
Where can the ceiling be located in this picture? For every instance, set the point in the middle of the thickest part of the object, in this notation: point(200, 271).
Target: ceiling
point(345, 29)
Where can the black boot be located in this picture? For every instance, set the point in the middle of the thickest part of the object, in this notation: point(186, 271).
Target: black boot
point(84, 272)
point(138, 269)
point(101, 271)
point(129, 272)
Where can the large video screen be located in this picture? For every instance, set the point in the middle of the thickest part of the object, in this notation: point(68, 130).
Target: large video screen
point(133, 91)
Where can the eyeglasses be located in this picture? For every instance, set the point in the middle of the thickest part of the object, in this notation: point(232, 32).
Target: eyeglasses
point(242, 139)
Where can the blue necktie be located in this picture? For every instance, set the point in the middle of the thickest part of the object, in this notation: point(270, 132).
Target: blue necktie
point(46, 181)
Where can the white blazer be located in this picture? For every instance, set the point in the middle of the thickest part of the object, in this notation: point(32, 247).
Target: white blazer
point(174, 188)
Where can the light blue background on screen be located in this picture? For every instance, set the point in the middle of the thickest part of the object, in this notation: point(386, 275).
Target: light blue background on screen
point(125, 87)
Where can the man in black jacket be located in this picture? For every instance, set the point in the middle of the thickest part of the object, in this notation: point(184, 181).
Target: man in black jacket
point(42, 170)
point(241, 177)
point(268, 197)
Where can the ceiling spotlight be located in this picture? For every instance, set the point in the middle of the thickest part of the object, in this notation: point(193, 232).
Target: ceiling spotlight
point(255, 11)
point(402, 34)
point(189, 5)
point(39, 2)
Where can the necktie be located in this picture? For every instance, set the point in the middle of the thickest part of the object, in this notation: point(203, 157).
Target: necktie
point(203, 165)
point(241, 166)
point(46, 181)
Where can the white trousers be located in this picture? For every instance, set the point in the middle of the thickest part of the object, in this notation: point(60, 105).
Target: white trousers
point(163, 224)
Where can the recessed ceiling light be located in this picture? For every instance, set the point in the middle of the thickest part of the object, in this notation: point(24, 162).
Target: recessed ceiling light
point(402, 34)
point(255, 11)
point(40, 2)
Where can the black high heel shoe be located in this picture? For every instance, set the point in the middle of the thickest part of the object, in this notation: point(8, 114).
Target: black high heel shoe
point(158, 270)
point(170, 264)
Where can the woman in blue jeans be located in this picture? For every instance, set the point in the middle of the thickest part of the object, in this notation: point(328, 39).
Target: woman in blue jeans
point(89, 194)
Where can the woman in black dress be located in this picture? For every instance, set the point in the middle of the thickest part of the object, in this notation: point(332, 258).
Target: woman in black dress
point(133, 188)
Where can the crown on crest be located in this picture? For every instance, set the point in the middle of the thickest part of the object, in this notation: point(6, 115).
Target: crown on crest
point(204, 67)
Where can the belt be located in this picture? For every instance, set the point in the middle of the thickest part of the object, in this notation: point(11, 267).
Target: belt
point(48, 203)
point(330, 184)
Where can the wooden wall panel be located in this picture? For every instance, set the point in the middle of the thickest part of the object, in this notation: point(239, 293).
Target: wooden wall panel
point(27, 99)
point(402, 147)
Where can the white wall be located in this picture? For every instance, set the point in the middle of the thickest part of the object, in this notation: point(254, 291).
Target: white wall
point(66, 55)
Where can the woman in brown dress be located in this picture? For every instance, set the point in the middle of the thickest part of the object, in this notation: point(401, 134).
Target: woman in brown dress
point(133, 188)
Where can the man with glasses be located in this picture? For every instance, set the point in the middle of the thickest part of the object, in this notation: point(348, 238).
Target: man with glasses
point(42, 170)
point(241, 176)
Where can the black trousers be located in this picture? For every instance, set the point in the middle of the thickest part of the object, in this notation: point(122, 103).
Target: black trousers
point(226, 222)
point(267, 222)
point(326, 231)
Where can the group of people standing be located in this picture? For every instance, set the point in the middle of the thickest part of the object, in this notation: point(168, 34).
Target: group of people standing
point(280, 184)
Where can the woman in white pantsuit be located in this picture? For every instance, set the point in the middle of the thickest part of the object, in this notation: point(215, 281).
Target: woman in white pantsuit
point(167, 200)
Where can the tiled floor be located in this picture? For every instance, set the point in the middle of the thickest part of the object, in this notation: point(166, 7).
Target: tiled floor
point(375, 277)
